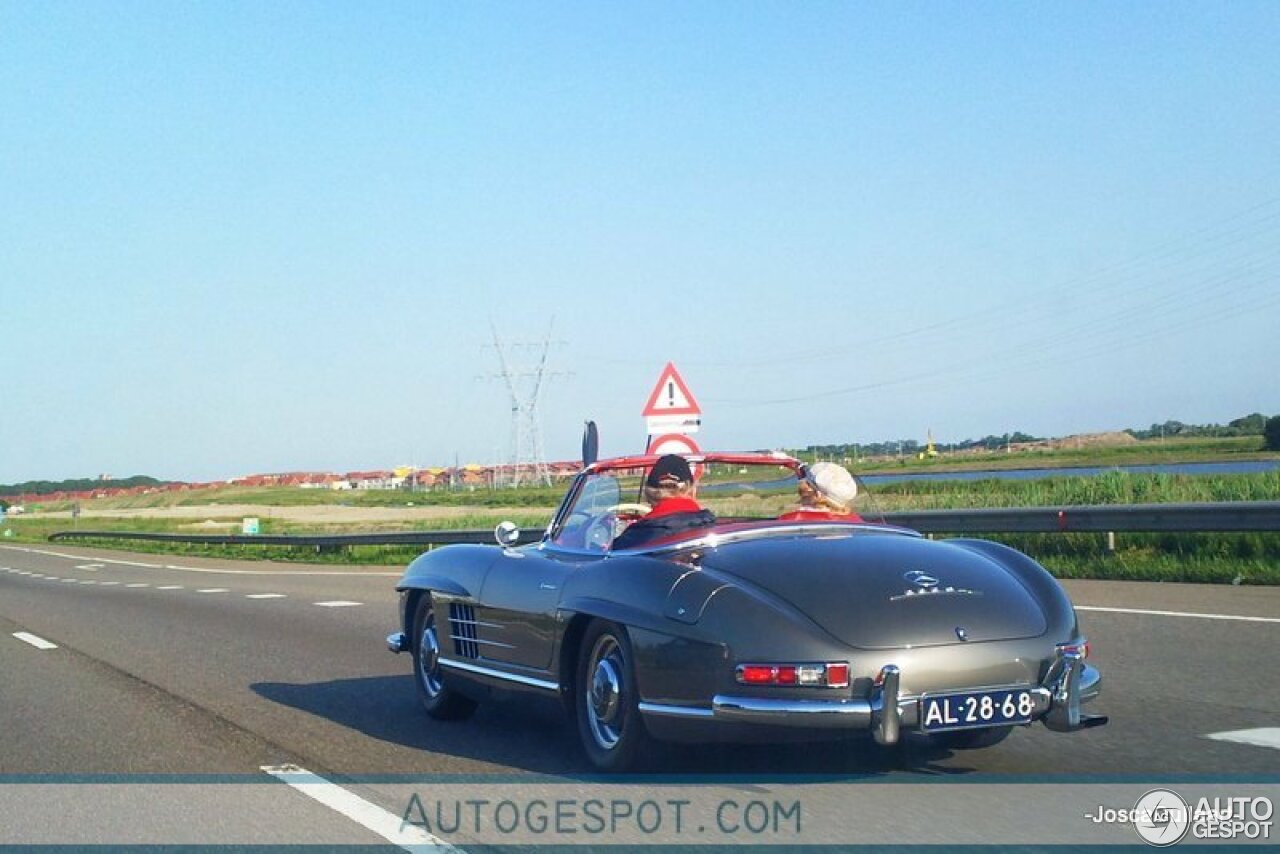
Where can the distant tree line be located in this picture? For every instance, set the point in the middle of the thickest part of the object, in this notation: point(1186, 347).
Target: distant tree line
point(81, 484)
point(1248, 425)
point(1254, 424)
point(911, 447)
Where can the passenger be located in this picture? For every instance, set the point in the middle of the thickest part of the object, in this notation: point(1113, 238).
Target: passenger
point(669, 490)
point(826, 492)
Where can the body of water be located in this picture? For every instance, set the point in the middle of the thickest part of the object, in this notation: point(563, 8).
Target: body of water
point(1243, 467)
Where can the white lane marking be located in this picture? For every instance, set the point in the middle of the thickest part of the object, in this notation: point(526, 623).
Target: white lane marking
point(108, 560)
point(388, 825)
point(1267, 736)
point(338, 603)
point(70, 581)
point(92, 567)
point(265, 596)
point(138, 584)
point(37, 642)
point(1179, 614)
point(170, 587)
point(213, 590)
point(108, 583)
point(85, 581)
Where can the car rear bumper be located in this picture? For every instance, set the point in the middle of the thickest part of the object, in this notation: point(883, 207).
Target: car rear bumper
point(1068, 684)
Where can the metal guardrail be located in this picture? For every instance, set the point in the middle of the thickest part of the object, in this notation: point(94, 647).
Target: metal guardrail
point(320, 541)
point(1117, 518)
point(1120, 518)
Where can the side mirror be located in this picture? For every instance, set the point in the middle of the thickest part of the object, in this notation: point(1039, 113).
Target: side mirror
point(507, 534)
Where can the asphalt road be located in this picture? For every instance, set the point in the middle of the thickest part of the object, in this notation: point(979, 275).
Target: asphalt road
point(184, 666)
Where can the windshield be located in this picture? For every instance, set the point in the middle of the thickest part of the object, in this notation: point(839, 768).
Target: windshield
point(609, 502)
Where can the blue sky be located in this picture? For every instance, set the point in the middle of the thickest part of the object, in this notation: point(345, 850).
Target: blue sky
point(245, 237)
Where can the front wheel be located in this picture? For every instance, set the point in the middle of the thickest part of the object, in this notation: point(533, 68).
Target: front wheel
point(440, 701)
point(607, 700)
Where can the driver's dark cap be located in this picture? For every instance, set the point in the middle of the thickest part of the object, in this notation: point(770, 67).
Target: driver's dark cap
point(669, 468)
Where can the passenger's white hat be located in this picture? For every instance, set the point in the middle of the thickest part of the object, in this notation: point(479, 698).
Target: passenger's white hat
point(832, 482)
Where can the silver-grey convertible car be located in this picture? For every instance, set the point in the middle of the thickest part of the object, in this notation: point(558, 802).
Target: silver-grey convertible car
point(757, 623)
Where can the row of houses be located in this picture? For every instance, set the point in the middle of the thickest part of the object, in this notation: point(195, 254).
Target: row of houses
point(467, 476)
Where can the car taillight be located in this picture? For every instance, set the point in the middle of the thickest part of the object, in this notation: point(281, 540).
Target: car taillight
point(831, 675)
point(1080, 647)
point(838, 675)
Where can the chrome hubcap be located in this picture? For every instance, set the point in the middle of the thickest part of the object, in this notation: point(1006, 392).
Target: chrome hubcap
point(429, 658)
point(603, 698)
point(604, 692)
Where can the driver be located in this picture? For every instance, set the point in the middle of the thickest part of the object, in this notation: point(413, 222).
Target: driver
point(669, 490)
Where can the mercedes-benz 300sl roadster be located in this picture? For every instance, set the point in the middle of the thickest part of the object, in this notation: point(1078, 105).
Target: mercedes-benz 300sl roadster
point(753, 624)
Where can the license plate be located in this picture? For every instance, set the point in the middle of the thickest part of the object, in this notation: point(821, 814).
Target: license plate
point(979, 709)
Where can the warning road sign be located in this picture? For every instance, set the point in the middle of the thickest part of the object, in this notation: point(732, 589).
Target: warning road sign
point(673, 443)
point(671, 396)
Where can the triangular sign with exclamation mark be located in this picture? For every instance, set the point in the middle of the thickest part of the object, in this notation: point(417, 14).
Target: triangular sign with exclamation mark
point(671, 396)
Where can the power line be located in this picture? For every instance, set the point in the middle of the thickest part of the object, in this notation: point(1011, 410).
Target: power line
point(524, 385)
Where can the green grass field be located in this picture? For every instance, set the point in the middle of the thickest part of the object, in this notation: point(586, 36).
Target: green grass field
point(1252, 558)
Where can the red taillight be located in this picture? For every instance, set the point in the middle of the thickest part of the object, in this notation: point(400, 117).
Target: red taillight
point(834, 675)
point(1080, 647)
point(755, 674)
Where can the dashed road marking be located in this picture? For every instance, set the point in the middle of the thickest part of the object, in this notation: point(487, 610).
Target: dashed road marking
point(1179, 614)
point(108, 583)
point(338, 603)
point(114, 561)
point(37, 642)
point(169, 587)
point(213, 590)
point(388, 825)
point(68, 580)
point(85, 581)
point(265, 596)
point(1260, 737)
point(91, 567)
point(138, 584)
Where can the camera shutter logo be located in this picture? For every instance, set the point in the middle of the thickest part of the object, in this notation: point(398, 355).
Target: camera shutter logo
point(1161, 817)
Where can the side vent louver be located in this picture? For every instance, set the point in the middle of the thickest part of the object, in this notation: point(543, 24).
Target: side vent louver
point(462, 621)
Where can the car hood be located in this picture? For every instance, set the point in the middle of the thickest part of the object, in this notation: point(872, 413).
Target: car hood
point(882, 590)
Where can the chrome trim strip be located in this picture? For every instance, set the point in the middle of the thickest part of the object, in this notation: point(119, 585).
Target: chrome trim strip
point(713, 539)
point(481, 640)
point(676, 711)
point(474, 622)
point(498, 674)
point(824, 714)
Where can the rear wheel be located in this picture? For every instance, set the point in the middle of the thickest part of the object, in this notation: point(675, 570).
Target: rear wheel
point(606, 700)
point(440, 701)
